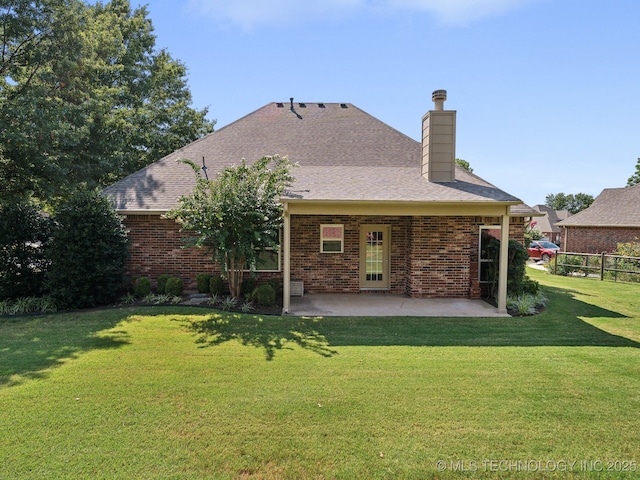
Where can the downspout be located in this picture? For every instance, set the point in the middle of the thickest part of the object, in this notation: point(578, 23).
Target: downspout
point(286, 288)
point(504, 262)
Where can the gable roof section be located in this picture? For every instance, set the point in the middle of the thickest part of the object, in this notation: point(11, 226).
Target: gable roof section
point(344, 154)
point(548, 222)
point(614, 207)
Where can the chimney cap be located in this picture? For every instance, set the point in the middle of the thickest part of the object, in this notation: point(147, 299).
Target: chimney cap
point(439, 95)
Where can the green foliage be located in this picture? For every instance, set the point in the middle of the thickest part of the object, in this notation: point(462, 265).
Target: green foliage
point(531, 233)
point(517, 280)
point(88, 252)
point(142, 287)
point(573, 203)
point(203, 281)
point(174, 286)
point(216, 285)
point(635, 178)
point(248, 286)
point(464, 164)
point(277, 284)
point(228, 303)
point(566, 265)
point(161, 283)
point(236, 214)
point(25, 234)
point(526, 303)
point(629, 249)
point(86, 95)
point(264, 295)
point(246, 307)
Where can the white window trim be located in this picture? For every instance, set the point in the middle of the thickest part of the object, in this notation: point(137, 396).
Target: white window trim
point(279, 250)
point(322, 238)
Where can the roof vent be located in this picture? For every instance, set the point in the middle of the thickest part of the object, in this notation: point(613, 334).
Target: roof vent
point(343, 105)
point(302, 105)
point(438, 97)
point(321, 105)
point(279, 105)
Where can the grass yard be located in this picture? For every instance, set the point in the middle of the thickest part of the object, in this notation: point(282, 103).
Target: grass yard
point(185, 393)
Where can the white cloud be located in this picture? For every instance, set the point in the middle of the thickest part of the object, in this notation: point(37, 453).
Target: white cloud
point(455, 12)
point(250, 13)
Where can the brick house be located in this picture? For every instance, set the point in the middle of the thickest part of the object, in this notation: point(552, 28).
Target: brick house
point(613, 217)
point(371, 210)
point(547, 222)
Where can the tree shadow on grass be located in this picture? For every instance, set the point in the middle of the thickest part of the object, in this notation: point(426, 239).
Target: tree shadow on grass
point(30, 346)
point(561, 324)
point(269, 333)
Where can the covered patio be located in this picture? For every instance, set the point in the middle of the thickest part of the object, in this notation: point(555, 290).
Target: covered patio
point(386, 305)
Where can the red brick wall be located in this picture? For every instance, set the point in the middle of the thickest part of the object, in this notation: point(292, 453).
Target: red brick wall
point(156, 244)
point(596, 239)
point(339, 272)
point(439, 263)
point(425, 262)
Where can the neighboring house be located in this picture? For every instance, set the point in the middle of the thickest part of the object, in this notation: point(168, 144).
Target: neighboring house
point(614, 217)
point(547, 224)
point(371, 210)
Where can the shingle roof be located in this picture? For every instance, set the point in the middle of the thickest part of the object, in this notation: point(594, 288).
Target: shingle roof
point(548, 223)
point(343, 153)
point(614, 207)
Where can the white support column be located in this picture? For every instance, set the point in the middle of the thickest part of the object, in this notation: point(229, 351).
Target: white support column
point(286, 251)
point(504, 262)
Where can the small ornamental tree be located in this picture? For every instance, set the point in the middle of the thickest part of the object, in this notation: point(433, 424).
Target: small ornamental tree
point(237, 214)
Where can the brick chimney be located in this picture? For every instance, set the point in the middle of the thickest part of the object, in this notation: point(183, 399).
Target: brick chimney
point(439, 141)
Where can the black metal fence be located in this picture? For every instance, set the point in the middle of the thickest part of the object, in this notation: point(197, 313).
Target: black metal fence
point(603, 265)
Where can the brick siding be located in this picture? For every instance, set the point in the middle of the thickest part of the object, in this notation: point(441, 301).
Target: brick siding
point(424, 261)
point(597, 239)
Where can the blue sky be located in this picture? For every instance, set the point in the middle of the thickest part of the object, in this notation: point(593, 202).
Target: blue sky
point(547, 91)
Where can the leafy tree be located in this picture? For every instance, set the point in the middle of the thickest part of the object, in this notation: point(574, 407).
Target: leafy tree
point(464, 164)
point(25, 233)
point(635, 178)
point(573, 203)
point(237, 214)
point(88, 252)
point(85, 98)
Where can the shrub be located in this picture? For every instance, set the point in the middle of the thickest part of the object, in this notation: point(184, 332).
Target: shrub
point(566, 265)
point(174, 287)
point(161, 283)
point(88, 252)
point(216, 285)
point(203, 283)
point(264, 295)
point(248, 286)
point(228, 303)
point(142, 287)
point(517, 280)
point(277, 284)
point(25, 234)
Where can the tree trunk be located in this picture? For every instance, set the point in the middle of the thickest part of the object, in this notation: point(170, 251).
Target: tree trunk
point(235, 273)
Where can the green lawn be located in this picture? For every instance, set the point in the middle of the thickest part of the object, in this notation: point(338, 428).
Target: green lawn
point(182, 392)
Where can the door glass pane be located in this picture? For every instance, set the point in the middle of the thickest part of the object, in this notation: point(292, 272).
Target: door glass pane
point(375, 257)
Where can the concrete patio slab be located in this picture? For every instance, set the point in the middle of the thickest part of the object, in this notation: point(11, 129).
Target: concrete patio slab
point(383, 305)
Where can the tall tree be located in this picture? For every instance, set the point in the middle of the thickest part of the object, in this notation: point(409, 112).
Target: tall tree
point(237, 214)
point(85, 98)
point(573, 203)
point(635, 178)
point(464, 164)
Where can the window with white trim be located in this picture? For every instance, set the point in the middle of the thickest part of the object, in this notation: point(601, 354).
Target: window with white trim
point(331, 238)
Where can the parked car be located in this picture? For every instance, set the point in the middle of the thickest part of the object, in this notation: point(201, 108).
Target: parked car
point(542, 250)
